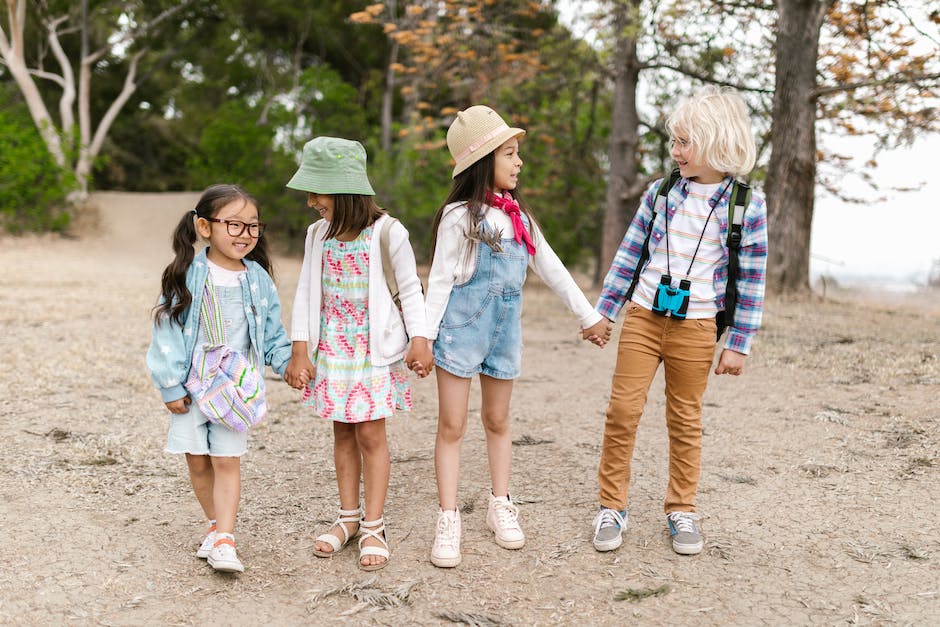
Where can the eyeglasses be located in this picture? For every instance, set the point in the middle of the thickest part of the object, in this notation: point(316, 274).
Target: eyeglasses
point(236, 228)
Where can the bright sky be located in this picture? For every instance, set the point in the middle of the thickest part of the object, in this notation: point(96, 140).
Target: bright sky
point(896, 239)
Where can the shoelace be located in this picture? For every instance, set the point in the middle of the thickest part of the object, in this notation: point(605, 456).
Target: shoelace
point(446, 531)
point(684, 521)
point(507, 513)
point(608, 518)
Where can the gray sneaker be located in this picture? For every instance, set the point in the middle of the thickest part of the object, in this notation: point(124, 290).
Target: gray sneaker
point(686, 537)
point(608, 529)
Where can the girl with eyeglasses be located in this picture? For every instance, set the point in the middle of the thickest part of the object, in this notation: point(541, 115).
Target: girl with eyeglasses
point(237, 269)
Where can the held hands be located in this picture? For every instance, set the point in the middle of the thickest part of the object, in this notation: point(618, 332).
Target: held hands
point(598, 334)
point(730, 362)
point(419, 357)
point(179, 406)
point(300, 370)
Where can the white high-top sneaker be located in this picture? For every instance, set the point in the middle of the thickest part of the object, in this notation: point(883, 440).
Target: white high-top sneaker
point(502, 516)
point(446, 550)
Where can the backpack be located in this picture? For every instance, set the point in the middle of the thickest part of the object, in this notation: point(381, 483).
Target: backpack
point(223, 383)
point(740, 198)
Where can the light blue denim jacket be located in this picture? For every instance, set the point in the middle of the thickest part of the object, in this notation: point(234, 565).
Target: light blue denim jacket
point(170, 355)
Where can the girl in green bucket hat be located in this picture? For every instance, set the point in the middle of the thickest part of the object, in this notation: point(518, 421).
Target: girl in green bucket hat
point(351, 347)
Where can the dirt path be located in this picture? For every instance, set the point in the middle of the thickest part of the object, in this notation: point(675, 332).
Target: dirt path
point(820, 466)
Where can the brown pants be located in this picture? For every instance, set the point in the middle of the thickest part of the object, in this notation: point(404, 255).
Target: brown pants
point(686, 348)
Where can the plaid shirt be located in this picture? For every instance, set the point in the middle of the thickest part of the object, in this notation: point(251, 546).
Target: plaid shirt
point(752, 259)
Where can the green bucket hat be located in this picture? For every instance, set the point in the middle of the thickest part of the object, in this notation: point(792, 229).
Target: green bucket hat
point(331, 165)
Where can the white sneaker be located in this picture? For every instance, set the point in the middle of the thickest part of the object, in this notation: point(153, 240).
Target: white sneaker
point(223, 556)
point(445, 553)
point(502, 516)
point(207, 543)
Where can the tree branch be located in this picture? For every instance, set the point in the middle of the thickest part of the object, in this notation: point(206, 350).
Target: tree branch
point(49, 76)
point(702, 77)
point(891, 80)
point(137, 32)
point(67, 100)
point(108, 118)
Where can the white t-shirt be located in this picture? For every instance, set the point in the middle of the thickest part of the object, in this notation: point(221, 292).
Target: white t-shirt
point(223, 277)
point(693, 217)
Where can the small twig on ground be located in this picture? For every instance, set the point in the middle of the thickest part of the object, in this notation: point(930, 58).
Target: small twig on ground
point(638, 594)
point(528, 440)
point(465, 618)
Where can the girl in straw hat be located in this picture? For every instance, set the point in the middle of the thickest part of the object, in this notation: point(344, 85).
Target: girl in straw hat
point(484, 239)
point(344, 314)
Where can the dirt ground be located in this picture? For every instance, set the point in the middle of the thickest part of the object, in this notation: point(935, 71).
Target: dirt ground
point(819, 466)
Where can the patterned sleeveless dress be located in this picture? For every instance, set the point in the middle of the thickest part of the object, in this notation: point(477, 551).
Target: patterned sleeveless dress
point(348, 388)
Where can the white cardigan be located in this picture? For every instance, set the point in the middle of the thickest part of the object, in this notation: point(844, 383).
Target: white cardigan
point(388, 341)
point(453, 264)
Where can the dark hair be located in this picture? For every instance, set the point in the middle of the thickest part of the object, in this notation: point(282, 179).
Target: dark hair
point(352, 213)
point(470, 186)
point(176, 297)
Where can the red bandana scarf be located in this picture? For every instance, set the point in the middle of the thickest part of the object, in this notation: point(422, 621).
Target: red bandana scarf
point(509, 205)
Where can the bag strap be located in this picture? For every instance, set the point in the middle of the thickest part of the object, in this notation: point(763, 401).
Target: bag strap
point(737, 205)
point(387, 268)
point(659, 205)
point(211, 314)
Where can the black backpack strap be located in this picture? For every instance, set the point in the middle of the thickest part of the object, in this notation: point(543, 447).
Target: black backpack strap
point(737, 205)
point(659, 205)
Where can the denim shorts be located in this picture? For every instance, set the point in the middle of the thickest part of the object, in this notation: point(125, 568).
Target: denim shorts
point(193, 433)
point(481, 331)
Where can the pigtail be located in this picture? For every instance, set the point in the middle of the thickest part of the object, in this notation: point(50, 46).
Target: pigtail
point(175, 296)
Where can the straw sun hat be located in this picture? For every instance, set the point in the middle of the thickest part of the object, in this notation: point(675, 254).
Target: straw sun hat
point(476, 132)
point(331, 165)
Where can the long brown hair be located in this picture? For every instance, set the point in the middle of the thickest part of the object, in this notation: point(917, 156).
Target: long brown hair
point(352, 213)
point(176, 297)
point(470, 186)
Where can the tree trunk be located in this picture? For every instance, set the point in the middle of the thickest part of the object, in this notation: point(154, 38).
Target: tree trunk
point(622, 195)
point(791, 173)
point(12, 50)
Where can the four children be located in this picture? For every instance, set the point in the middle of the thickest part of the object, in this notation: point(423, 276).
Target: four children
point(354, 339)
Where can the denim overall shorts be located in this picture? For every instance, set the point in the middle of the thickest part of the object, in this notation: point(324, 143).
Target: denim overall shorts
point(192, 432)
point(481, 331)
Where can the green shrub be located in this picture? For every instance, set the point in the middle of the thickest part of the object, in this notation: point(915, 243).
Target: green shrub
point(32, 187)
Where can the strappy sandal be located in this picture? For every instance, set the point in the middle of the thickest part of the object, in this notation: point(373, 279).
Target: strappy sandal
point(381, 551)
point(346, 516)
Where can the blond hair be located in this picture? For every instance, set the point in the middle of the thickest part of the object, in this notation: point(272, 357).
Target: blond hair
point(718, 126)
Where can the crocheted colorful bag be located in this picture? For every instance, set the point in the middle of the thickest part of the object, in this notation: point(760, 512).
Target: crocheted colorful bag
point(224, 384)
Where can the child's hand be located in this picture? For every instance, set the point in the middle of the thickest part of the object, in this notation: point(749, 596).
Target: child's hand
point(299, 371)
point(730, 362)
point(419, 357)
point(179, 406)
point(598, 334)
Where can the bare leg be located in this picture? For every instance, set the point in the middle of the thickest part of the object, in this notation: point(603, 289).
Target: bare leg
point(495, 415)
point(226, 492)
point(202, 478)
point(348, 464)
point(453, 394)
point(376, 463)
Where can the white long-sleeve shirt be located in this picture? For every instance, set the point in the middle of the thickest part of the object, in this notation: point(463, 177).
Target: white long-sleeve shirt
point(388, 341)
point(453, 264)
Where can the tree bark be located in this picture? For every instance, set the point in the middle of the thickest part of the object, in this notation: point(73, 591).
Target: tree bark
point(623, 193)
point(791, 173)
